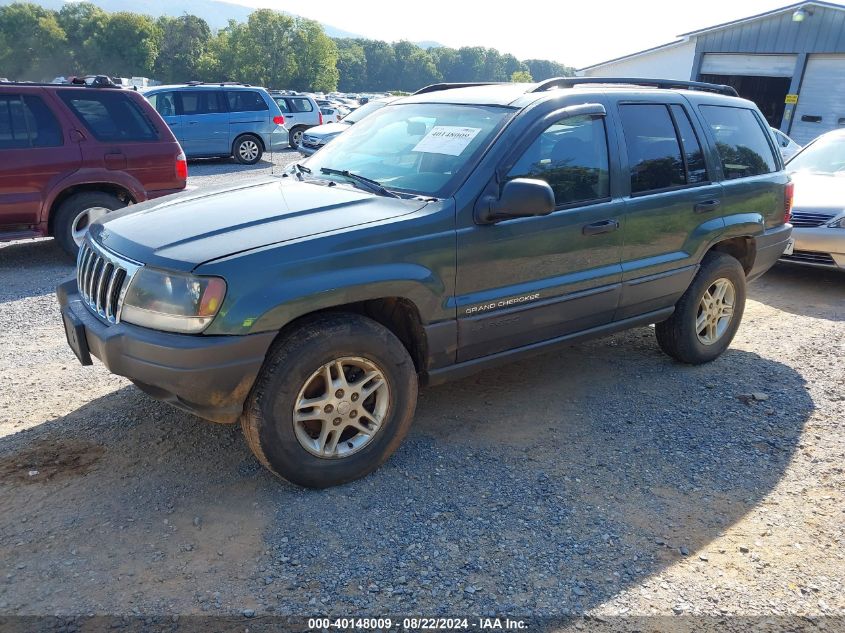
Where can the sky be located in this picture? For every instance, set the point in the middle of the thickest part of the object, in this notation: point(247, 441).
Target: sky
point(573, 33)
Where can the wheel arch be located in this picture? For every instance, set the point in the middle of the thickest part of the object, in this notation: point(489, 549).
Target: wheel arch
point(257, 137)
point(398, 314)
point(121, 192)
point(742, 248)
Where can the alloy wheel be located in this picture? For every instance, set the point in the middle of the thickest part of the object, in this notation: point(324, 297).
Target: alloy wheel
point(715, 311)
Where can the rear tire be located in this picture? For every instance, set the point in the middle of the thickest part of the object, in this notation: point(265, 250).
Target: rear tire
point(295, 136)
point(361, 415)
point(247, 149)
point(76, 214)
point(708, 314)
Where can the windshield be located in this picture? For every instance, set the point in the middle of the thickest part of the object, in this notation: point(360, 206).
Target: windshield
point(825, 156)
point(364, 110)
point(418, 148)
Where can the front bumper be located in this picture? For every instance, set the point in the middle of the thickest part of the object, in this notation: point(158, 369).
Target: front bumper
point(209, 376)
point(821, 246)
point(770, 246)
point(307, 151)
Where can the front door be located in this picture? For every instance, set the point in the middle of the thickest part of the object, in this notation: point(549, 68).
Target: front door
point(166, 104)
point(526, 280)
point(36, 155)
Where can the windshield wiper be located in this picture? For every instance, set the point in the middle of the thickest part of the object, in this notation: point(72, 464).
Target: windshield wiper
point(301, 169)
point(373, 186)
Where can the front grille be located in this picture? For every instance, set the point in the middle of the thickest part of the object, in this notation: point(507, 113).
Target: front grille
point(810, 257)
point(806, 219)
point(102, 279)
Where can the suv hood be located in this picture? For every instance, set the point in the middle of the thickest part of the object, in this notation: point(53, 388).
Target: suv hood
point(180, 232)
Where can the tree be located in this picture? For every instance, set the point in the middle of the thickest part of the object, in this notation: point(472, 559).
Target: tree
point(316, 58)
point(381, 64)
point(541, 69)
point(128, 44)
point(414, 67)
point(32, 44)
point(184, 42)
point(521, 76)
point(262, 50)
point(351, 65)
point(81, 22)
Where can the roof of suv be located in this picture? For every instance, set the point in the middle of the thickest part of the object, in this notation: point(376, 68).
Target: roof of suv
point(523, 94)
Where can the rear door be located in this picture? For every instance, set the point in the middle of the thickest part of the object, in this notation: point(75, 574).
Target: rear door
point(670, 195)
point(36, 155)
point(120, 135)
point(750, 163)
point(248, 112)
point(525, 280)
point(205, 122)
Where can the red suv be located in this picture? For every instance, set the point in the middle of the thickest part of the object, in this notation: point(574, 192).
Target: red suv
point(69, 154)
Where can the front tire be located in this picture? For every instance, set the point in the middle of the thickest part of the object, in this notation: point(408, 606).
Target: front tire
point(247, 150)
point(334, 400)
point(77, 213)
point(708, 314)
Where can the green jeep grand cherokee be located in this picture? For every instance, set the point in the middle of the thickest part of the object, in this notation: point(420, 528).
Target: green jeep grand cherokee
point(453, 229)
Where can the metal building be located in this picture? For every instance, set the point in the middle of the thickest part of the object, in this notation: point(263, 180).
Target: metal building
point(790, 61)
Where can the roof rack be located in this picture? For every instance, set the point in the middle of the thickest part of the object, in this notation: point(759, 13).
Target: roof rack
point(667, 84)
point(88, 81)
point(216, 83)
point(449, 86)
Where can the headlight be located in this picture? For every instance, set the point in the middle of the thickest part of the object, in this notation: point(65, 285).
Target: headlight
point(838, 223)
point(172, 302)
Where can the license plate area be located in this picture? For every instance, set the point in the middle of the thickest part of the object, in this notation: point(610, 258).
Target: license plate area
point(75, 334)
point(790, 246)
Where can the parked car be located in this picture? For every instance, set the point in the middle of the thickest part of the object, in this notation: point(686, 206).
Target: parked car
point(69, 154)
point(818, 214)
point(330, 115)
point(218, 120)
point(316, 137)
point(301, 112)
point(446, 232)
point(788, 147)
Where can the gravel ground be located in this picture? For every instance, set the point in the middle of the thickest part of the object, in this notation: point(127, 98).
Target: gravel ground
point(603, 479)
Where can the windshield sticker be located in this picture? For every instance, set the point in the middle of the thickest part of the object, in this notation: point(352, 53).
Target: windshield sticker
point(447, 139)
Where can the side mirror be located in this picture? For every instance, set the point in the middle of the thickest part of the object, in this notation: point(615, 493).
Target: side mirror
point(521, 197)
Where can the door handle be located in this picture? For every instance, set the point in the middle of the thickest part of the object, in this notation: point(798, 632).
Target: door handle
point(707, 206)
point(605, 226)
point(193, 122)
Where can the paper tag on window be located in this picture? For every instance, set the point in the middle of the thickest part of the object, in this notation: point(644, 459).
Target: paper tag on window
point(447, 139)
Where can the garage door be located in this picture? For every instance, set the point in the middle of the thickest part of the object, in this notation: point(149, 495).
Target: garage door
point(821, 99)
point(748, 65)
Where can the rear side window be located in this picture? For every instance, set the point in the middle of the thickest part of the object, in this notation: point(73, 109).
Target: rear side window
point(245, 101)
point(570, 155)
point(300, 104)
point(693, 156)
point(110, 116)
point(654, 153)
point(202, 102)
point(26, 121)
point(740, 140)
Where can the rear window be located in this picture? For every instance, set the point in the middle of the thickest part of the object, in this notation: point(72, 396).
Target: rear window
point(110, 116)
point(246, 101)
point(741, 141)
point(26, 121)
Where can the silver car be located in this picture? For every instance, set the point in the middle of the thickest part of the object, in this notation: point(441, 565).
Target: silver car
point(788, 148)
point(316, 137)
point(818, 209)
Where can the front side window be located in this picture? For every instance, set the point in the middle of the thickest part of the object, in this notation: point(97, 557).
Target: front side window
point(111, 116)
point(417, 148)
point(245, 101)
point(164, 103)
point(571, 155)
point(740, 140)
point(283, 105)
point(654, 154)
